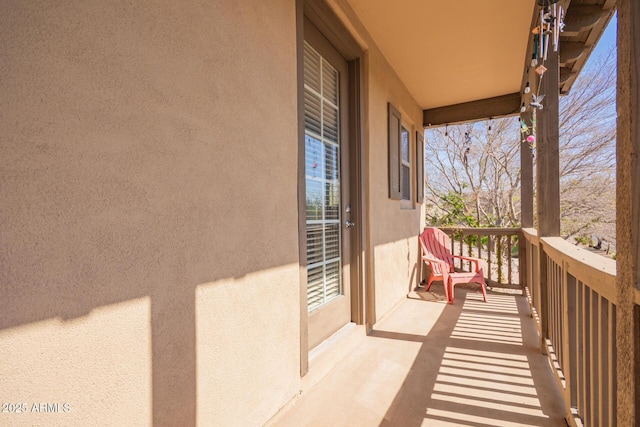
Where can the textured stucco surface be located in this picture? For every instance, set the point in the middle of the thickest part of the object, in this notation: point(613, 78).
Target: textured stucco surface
point(394, 230)
point(99, 365)
point(149, 211)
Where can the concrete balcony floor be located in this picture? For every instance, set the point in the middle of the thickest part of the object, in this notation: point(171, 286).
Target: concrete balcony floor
point(432, 364)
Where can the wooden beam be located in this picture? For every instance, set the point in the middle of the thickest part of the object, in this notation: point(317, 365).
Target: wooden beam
point(499, 106)
point(566, 74)
point(581, 17)
point(570, 52)
point(548, 153)
point(628, 214)
point(526, 176)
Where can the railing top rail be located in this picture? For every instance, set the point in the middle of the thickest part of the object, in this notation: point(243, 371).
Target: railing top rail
point(531, 234)
point(483, 231)
point(598, 272)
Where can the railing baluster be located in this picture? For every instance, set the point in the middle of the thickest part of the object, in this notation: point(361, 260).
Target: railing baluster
point(561, 316)
point(499, 258)
point(461, 248)
point(582, 387)
point(452, 240)
point(571, 344)
point(613, 397)
point(595, 357)
point(603, 369)
point(489, 250)
point(558, 316)
point(509, 249)
point(587, 351)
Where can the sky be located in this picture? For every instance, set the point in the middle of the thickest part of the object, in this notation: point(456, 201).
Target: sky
point(607, 40)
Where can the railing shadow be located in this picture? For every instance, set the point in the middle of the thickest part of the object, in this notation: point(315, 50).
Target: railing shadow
point(480, 365)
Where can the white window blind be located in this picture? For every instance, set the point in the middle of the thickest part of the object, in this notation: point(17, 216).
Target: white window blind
point(322, 175)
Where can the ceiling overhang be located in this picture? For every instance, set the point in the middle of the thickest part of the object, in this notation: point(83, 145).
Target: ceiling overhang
point(469, 60)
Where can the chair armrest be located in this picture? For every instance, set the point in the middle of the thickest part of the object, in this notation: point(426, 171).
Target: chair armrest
point(443, 265)
point(474, 261)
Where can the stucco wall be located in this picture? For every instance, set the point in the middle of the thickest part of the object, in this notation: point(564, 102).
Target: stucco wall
point(149, 268)
point(393, 231)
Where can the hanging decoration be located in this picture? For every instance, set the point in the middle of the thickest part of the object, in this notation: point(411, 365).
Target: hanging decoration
point(546, 35)
point(536, 101)
point(467, 150)
point(548, 31)
point(540, 69)
point(531, 139)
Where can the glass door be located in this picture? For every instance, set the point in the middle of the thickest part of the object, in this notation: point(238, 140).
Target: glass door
point(325, 183)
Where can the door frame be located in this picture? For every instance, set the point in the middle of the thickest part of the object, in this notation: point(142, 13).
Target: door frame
point(327, 23)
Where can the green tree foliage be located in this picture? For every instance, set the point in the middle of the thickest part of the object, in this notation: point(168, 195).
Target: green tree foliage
point(453, 211)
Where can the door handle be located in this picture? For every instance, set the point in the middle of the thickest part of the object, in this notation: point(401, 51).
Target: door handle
point(349, 224)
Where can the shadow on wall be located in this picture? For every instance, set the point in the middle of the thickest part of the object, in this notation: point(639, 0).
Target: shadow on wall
point(112, 167)
point(53, 275)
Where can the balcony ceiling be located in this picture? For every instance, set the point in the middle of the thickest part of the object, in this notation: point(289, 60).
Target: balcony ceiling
point(466, 60)
point(452, 52)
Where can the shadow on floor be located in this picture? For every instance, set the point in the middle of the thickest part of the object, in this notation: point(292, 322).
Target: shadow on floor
point(482, 369)
point(432, 364)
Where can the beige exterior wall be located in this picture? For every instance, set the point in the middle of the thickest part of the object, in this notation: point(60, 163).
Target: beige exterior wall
point(394, 226)
point(148, 178)
point(148, 171)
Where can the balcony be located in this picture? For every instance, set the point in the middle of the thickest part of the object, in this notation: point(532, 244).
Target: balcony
point(475, 363)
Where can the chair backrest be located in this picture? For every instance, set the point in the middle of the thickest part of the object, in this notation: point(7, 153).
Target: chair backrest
point(435, 243)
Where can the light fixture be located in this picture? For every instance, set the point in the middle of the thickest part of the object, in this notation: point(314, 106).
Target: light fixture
point(527, 88)
point(523, 108)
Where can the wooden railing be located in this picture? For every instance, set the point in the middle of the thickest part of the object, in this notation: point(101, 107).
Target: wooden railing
point(499, 249)
point(572, 295)
point(573, 299)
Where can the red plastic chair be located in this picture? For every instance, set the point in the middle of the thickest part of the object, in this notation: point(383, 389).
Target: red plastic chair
point(435, 246)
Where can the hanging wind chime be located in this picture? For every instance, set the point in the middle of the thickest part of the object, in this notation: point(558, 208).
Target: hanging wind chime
point(546, 36)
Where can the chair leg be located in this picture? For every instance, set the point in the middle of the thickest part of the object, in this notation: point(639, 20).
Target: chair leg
point(449, 290)
point(429, 283)
point(483, 286)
